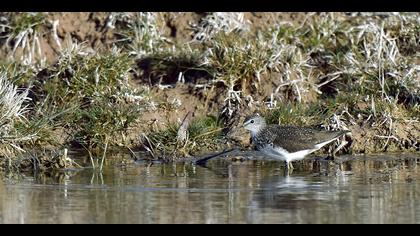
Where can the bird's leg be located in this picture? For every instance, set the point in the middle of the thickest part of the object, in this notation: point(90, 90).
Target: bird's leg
point(342, 144)
point(289, 165)
point(288, 170)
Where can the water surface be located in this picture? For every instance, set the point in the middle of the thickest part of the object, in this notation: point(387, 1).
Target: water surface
point(376, 189)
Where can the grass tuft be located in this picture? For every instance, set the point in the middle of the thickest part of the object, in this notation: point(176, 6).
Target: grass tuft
point(203, 133)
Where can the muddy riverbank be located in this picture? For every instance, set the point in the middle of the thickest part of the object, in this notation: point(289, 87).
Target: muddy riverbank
point(99, 81)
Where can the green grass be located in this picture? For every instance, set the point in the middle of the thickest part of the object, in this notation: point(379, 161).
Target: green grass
point(12, 109)
point(23, 32)
point(93, 92)
point(203, 133)
point(140, 33)
point(24, 21)
point(103, 122)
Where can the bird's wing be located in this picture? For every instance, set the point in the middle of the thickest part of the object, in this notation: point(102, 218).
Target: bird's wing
point(295, 139)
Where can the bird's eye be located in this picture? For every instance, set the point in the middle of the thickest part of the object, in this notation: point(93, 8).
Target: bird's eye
point(252, 121)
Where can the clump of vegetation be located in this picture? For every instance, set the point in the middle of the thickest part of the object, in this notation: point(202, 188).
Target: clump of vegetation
point(21, 33)
point(12, 109)
point(202, 134)
point(95, 92)
point(139, 33)
point(213, 23)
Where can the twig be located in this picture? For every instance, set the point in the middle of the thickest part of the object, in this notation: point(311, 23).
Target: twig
point(150, 148)
point(103, 156)
point(387, 137)
point(209, 132)
point(327, 81)
point(132, 152)
point(90, 156)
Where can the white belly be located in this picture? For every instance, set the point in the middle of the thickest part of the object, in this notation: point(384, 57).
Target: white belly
point(282, 154)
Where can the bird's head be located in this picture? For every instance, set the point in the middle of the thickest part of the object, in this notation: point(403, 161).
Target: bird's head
point(254, 123)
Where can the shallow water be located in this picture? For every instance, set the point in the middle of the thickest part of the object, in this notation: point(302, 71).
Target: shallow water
point(376, 189)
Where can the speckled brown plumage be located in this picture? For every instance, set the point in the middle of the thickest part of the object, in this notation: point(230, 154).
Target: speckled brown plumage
point(293, 139)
